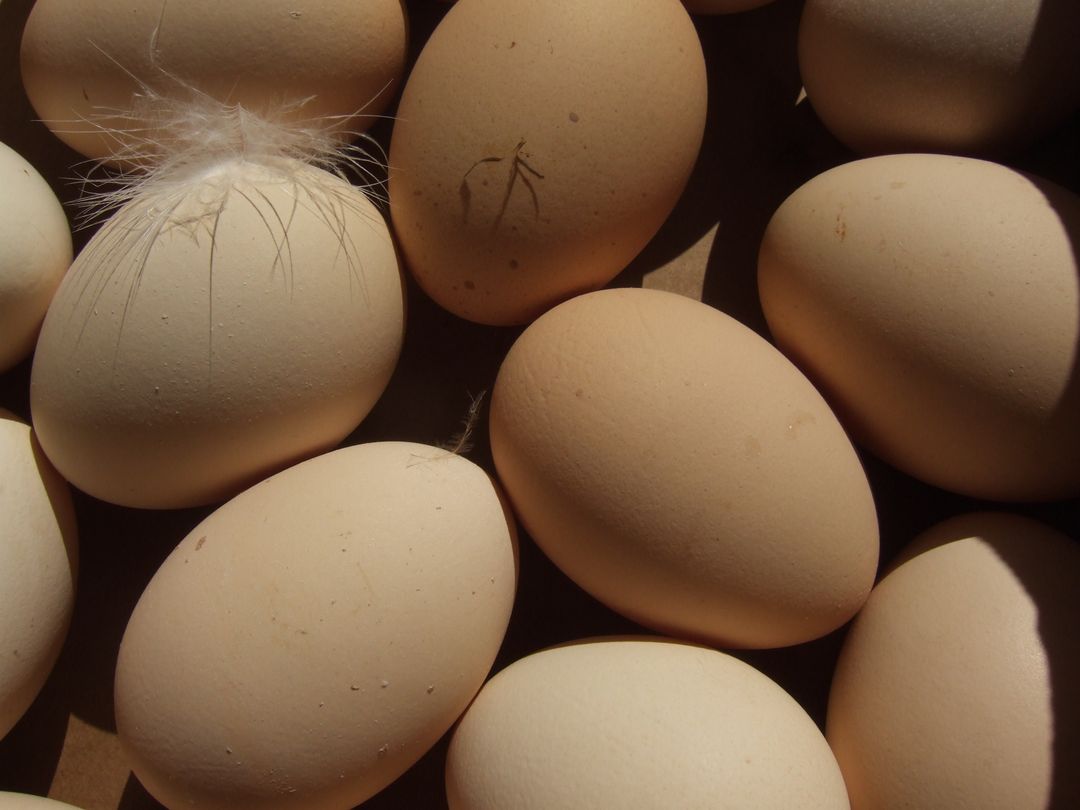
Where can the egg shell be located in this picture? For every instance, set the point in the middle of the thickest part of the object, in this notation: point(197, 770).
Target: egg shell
point(83, 63)
point(314, 636)
point(935, 301)
point(25, 801)
point(637, 723)
point(682, 471)
point(966, 76)
point(36, 251)
point(38, 565)
point(539, 146)
point(957, 684)
point(210, 335)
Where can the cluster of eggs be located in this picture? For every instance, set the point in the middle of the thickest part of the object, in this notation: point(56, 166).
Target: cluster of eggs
point(242, 310)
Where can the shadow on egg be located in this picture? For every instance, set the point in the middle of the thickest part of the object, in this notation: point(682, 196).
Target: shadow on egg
point(1054, 591)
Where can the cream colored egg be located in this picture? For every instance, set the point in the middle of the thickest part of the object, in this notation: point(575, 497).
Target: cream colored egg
point(940, 75)
point(957, 685)
point(340, 60)
point(216, 331)
point(314, 636)
point(539, 146)
point(636, 724)
point(936, 301)
point(35, 251)
point(679, 469)
point(38, 563)
point(24, 801)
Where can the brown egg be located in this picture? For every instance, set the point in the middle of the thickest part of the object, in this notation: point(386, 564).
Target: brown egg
point(940, 75)
point(539, 146)
point(82, 62)
point(312, 638)
point(936, 301)
point(637, 723)
point(681, 470)
point(959, 683)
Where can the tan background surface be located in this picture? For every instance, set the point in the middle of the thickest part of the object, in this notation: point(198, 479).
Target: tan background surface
point(759, 146)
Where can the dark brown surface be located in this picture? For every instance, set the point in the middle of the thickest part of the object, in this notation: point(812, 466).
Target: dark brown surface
point(759, 147)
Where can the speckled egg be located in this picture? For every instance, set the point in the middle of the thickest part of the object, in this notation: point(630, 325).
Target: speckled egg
point(539, 146)
point(313, 637)
point(682, 471)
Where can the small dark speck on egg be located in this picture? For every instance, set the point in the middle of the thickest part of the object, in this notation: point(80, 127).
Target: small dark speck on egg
point(574, 118)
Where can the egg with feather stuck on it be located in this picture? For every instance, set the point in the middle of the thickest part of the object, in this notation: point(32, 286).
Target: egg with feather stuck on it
point(216, 329)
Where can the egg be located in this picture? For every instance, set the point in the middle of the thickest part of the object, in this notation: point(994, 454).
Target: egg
point(314, 636)
point(531, 159)
point(940, 75)
point(216, 330)
point(682, 471)
point(957, 684)
point(935, 301)
point(24, 801)
point(38, 565)
point(637, 723)
point(36, 251)
point(337, 62)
